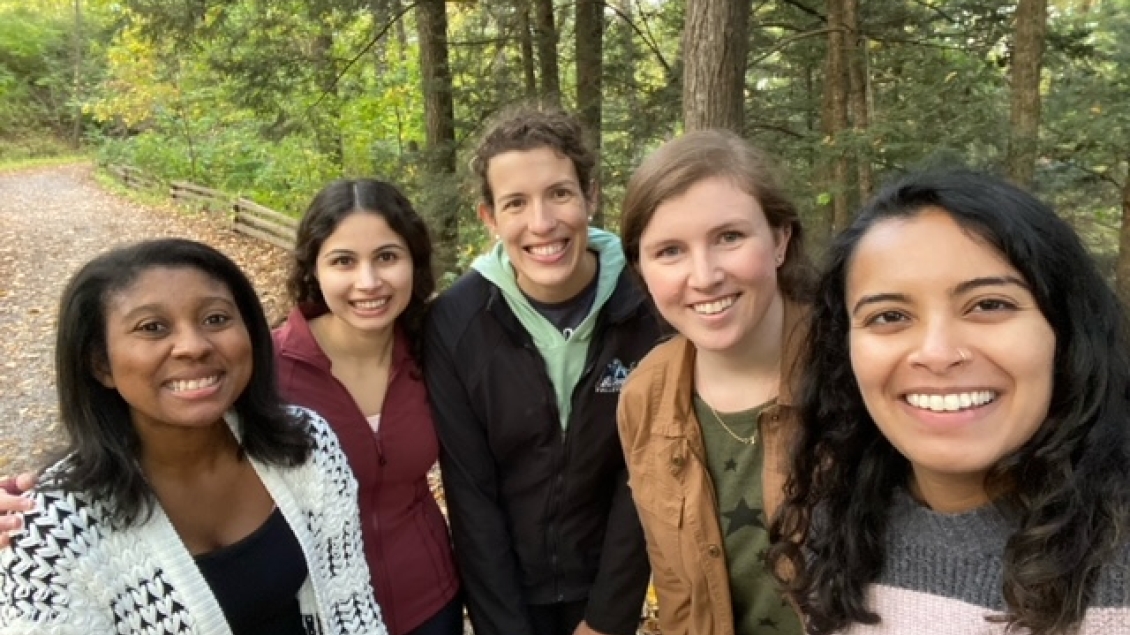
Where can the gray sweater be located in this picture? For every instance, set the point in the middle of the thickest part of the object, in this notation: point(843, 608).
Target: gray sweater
point(943, 576)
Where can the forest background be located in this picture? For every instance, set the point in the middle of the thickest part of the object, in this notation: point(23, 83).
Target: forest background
point(270, 99)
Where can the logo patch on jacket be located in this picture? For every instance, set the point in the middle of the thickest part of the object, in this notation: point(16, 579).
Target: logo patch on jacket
point(614, 376)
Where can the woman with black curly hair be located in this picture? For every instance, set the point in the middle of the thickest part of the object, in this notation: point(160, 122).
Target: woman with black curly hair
point(964, 462)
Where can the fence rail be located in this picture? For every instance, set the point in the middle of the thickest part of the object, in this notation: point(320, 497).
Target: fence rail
point(134, 178)
point(247, 216)
point(198, 196)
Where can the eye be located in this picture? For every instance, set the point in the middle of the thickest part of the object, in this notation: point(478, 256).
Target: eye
point(993, 305)
point(341, 261)
point(562, 194)
point(667, 252)
point(886, 318)
point(388, 257)
point(217, 319)
point(151, 327)
point(730, 236)
point(513, 204)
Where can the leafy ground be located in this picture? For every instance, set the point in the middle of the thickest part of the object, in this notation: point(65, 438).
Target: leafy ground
point(52, 220)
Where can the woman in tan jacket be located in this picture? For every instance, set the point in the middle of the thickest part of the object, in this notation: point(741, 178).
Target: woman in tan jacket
point(704, 419)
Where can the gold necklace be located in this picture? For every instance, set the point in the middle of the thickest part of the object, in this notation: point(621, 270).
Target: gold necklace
point(750, 440)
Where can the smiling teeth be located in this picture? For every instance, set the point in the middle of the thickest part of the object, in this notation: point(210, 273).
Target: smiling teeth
point(369, 305)
point(953, 402)
point(547, 250)
point(717, 306)
point(182, 385)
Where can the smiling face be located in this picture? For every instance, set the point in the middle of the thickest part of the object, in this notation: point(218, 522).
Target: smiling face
point(709, 259)
point(540, 214)
point(953, 357)
point(177, 349)
point(364, 270)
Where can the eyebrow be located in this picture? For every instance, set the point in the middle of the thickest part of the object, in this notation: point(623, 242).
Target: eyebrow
point(384, 247)
point(157, 307)
point(964, 287)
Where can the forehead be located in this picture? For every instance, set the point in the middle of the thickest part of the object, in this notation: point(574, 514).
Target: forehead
point(701, 209)
point(924, 252)
point(167, 286)
point(518, 170)
point(362, 228)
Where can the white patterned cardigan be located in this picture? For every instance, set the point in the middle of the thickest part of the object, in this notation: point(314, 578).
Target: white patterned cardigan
point(68, 573)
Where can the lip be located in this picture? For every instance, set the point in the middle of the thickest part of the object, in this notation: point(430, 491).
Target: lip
point(732, 298)
point(548, 258)
point(195, 386)
point(949, 419)
point(371, 311)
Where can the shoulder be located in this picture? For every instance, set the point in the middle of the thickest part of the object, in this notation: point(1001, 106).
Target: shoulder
point(455, 308)
point(663, 360)
point(657, 373)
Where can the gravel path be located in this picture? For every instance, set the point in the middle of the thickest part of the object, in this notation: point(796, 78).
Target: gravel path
point(52, 220)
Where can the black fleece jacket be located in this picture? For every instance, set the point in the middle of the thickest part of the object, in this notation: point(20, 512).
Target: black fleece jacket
point(538, 515)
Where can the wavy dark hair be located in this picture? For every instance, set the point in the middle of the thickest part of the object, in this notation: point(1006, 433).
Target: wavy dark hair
point(529, 127)
point(330, 206)
point(1067, 489)
point(103, 445)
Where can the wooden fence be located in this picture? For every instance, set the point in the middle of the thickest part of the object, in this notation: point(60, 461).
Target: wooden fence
point(247, 216)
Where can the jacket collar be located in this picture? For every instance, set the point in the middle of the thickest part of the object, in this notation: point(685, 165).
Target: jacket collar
point(626, 301)
point(294, 340)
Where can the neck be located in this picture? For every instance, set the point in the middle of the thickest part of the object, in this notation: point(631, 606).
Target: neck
point(186, 451)
point(341, 342)
point(747, 374)
point(949, 494)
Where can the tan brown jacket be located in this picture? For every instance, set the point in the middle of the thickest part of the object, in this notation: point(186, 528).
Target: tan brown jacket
point(671, 485)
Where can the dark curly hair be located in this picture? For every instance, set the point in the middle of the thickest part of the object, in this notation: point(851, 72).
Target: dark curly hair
point(529, 127)
point(1067, 489)
point(103, 446)
point(330, 206)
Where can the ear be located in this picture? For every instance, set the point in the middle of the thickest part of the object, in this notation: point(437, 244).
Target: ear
point(486, 215)
point(592, 200)
point(782, 236)
point(101, 370)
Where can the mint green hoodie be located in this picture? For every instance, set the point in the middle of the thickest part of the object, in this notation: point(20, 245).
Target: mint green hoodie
point(564, 358)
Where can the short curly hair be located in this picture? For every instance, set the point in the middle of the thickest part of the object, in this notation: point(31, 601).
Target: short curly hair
point(528, 128)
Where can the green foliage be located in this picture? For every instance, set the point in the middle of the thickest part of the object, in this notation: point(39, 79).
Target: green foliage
point(273, 99)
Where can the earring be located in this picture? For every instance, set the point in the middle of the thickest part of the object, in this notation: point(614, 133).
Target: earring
point(780, 260)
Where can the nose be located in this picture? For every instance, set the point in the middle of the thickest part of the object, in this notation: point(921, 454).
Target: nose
point(368, 278)
point(940, 348)
point(191, 343)
point(704, 272)
point(543, 219)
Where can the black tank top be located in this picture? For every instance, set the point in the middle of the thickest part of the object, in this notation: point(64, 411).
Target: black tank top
point(256, 580)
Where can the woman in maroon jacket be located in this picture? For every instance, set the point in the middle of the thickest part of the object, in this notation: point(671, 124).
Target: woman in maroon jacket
point(359, 280)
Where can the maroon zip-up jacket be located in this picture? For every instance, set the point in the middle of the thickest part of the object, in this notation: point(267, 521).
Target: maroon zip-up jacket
point(406, 540)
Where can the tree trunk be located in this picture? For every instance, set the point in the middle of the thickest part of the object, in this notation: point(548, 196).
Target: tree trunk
point(715, 41)
point(835, 116)
point(76, 84)
point(590, 53)
point(546, 36)
point(441, 205)
point(858, 99)
point(1024, 107)
point(526, 46)
point(327, 122)
point(1122, 269)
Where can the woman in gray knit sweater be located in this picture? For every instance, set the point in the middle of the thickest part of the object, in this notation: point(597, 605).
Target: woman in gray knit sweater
point(965, 460)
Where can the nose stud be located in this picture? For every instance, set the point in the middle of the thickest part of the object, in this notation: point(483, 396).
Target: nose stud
point(963, 355)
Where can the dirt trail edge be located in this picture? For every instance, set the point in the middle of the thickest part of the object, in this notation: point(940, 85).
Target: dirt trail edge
point(53, 220)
